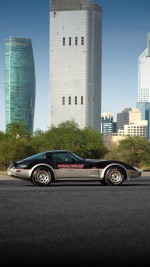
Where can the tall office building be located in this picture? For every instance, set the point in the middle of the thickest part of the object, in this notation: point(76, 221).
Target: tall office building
point(144, 74)
point(19, 82)
point(144, 84)
point(75, 62)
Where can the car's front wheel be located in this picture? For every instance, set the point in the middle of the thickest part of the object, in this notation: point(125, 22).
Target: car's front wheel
point(42, 176)
point(115, 175)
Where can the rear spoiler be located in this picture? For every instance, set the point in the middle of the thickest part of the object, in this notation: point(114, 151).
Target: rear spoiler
point(14, 163)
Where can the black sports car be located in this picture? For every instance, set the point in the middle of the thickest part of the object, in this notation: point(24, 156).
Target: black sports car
point(56, 165)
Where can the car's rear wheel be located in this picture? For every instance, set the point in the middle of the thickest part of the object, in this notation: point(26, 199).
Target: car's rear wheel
point(41, 176)
point(115, 175)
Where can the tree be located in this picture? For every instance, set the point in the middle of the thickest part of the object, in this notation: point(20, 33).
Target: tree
point(133, 150)
point(66, 136)
point(94, 147)
point(15, 145)
point(38, 141)
point(18, 129)
point(2, 135)
point(13, 149)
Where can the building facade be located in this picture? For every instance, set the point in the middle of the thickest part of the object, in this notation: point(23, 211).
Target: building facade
point(108, 126)
point(144, 85)
point(75, 62)
point(144, 74)
point(19, 82)
point(127, 116)
point(137, 128)
point(144, 107)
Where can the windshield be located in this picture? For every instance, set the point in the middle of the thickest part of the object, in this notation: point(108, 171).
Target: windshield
point(76, 157)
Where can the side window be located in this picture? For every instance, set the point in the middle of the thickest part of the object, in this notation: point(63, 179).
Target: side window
point(63, 158)
point(48, 156)
point(56, 158)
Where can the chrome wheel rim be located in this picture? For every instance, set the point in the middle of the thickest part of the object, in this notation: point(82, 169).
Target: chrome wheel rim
point(42, 176)
point(115, 176)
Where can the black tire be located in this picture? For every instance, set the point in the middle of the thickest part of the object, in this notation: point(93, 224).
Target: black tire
point(103, 182)
point(41, 176)
point(115, 175)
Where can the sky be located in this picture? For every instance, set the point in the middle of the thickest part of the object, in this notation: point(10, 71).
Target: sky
point(125, 24)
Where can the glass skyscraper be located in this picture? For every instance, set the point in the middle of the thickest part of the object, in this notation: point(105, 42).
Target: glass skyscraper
point(144, 107)
point(144, 84)
point(144, 74)
point(19, 82)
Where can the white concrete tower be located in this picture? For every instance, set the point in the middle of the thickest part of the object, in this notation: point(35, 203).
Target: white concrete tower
point(75, 62)
point(144, 74)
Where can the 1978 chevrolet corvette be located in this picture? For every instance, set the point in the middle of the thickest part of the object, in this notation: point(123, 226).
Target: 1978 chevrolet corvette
point(57, 165)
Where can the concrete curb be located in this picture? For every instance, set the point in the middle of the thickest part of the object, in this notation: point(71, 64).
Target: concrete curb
point(145, 173)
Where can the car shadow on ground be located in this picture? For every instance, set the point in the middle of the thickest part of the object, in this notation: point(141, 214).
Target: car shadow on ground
point(89, 183)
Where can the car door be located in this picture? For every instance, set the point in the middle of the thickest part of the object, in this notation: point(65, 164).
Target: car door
point(68, 168)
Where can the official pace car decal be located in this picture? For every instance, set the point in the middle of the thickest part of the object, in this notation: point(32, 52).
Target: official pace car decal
point(70, 166)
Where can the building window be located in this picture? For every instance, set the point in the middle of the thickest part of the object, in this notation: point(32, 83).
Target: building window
point(82, 40)
point(75, 100)
point(63, 100)
point(81, 100)
point(69, 100)
point(76, 40)
point(63, 41)
point(69, 40)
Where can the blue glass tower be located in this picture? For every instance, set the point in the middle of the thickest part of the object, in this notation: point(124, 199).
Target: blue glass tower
point(19, 82)
point(144, 107)
point(107, 125)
